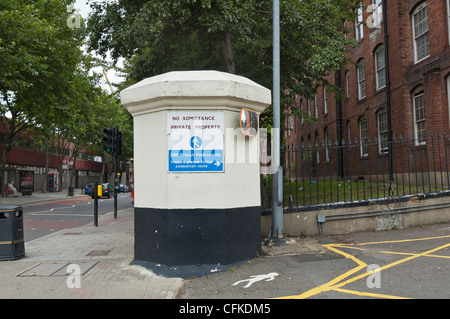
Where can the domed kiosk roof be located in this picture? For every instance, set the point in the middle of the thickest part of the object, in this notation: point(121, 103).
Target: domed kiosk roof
point(181, 89)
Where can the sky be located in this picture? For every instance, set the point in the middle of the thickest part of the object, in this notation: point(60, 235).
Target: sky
point(82, 6)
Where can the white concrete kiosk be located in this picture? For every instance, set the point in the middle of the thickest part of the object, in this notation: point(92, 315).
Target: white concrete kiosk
point(197, 177)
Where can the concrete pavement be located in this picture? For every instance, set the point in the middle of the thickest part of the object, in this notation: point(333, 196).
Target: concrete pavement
point(90, 262)
point(85, 262)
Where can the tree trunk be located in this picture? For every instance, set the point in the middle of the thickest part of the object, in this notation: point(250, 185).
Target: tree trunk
point(227, 52)
point(4, 156)
point(103, 173)
point(44, 180)
point(12, 129)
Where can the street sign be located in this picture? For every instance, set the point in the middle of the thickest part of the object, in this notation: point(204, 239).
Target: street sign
point(195, 141)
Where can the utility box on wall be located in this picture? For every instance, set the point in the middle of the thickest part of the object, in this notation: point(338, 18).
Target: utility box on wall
point(197, 177)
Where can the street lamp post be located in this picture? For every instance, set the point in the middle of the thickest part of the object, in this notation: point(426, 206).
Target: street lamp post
point(277, 179)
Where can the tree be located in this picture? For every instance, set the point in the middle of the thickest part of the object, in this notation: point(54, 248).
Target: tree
point(38, 56)
point(116, 116)
point(158, 36)
point(119, 26)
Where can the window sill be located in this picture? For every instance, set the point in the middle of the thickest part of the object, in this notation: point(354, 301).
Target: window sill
point(421, 60)
point(361, 100)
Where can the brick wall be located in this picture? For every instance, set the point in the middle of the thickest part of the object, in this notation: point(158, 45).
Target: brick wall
point(406, 76)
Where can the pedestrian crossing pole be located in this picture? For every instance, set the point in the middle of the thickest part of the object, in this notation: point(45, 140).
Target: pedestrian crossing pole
point(113, 146)
point(116, 153)
point(116, 185)
point(97, 192)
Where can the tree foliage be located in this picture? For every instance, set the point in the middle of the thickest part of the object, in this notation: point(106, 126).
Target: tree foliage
point(38, 54)
point(46, 83)
point(158, 36)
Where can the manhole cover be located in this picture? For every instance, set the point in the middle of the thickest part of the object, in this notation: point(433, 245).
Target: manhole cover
point(84, 268)
point(99, 253)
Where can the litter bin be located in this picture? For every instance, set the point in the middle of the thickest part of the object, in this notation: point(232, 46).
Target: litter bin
point(12, 243)
point(71, 190)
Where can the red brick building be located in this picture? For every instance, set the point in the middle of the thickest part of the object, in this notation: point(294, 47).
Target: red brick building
point(418, 91)
point(27, 156)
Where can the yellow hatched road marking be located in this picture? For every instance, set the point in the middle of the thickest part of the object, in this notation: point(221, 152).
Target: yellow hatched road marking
point(410, 254)
point(368, 294)
point(402, 240)
point(338, 282)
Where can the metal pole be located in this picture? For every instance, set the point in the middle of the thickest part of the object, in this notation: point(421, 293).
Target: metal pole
point(277, 179)
point(68, 178)
point(96, 204)
point(116, 133)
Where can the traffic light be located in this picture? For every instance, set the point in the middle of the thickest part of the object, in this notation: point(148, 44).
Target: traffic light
point(109, 139)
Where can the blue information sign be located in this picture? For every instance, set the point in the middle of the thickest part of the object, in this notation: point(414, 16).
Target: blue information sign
point(195, 140)
point(195, 161)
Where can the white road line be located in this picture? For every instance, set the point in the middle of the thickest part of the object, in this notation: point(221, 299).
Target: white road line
point(44, 214)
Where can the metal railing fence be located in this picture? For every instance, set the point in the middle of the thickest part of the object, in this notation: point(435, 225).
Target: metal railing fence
point(360, 171)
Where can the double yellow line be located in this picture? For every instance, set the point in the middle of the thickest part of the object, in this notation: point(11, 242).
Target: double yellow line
point(337, 283)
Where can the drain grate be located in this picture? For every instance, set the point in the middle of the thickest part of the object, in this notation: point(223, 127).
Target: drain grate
point(56, 269)
point(99, 252)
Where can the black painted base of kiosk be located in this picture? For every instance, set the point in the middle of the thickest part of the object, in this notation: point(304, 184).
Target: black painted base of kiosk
point(195, 242)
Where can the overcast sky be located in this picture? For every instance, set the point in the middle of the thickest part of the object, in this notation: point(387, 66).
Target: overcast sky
point(83, 7)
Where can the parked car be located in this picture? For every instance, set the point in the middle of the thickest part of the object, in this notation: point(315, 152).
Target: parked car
point(107, 190)
point(123, 188)
point(89, 188)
